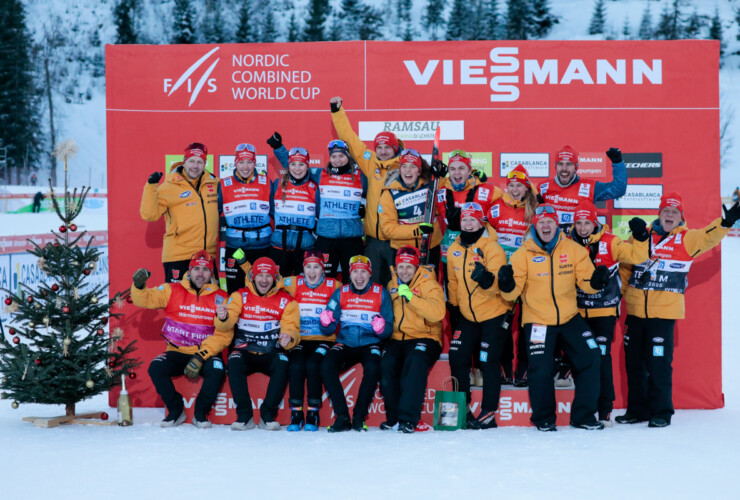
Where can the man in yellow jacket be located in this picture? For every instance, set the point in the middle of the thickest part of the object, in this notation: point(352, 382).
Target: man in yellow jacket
point(193, 342)
point(545, 271)
point(267, 323)
point(655, 300)
point(375, 164)
point(416, 341)
point(188, 199)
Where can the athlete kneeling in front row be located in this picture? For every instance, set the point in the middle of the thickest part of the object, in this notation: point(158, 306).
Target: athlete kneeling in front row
point(416, 342)
point(364, 313)
point(267, 325)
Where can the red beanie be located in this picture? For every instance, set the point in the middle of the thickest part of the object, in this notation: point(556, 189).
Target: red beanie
point(472, 210)
point(672, 200)
point(388, 138)
point(298, 154)
point(461, 156)
point(245, 152)
point(519, 174)
point(407, 254)
point(567, 154)
point(314, 256)
point(201, 258)
point(265, 265)
point(410, 156)
point(196, 149)
point(586, 211)
point(545, 211)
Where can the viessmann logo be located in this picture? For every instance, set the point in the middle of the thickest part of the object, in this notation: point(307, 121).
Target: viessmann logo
point(186, 80)
point(507, 71)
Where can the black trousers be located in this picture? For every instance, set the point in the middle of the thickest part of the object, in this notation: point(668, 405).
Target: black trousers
point(340, 358)
point(234, 274)
point(171, 364)
point(382, 257)
point(489, 337)
point(290, 262)
point(648, 356)
point(304, 369)
point(507, 356)
point(175, 271)
point(243, 363)
point(339, 250)
point(581, 348)
point(404, 369)
point(603, 331)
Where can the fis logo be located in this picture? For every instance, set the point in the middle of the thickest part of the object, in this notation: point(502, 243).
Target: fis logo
point(184, 79)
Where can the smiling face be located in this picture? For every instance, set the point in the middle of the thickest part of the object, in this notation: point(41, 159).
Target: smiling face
point(584, 228)
point(245, 168)
point(263, 282)
point(546, 228)
point(517, 190)
point(297, 169)
point(459, 172)
point(193, 167)
point(409, 173)
point(670, 218)
point(470, 224)
point(313, 272)
point(360, 278)
point(199, 276)
point(565, 171)
point(384, 152)
point(338, 160)
point(405, 271)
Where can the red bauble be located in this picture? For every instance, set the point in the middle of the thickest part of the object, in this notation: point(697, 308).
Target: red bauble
point(11, 331)
point(16, 340)
point(8, 301)
point(62, 229)
point(104, 320)
point(37, 361)
point(132, 375)
point(65, 309)
point(73, 227)
point(30, 299)
point(112, 364)
point(100, 331)
point(86, 272)
point(103, 416)
point(55, 287)
point(129, 300)
point(56, 243)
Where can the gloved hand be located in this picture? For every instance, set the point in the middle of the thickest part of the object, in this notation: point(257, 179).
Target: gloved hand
point(454, 315)
point(239, 256)
point(639, 229)
point(506, 282)
point(154, 178)
point(140, 278)
point(540, 199)
point(275, 140)
point(480, 175)
point(192, 369)
point(378, 324)
point(452, 212)
point(482, 276)
point(361, 211)
point(645, 277)
point(615, 155)
point(326, 318)
point(335, 104)
point(731, 216)
point(426, 228)
point(439, 169)
point(405, 292)
point(600, 277)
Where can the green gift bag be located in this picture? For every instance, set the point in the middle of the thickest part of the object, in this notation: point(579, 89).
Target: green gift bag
point(450, 408)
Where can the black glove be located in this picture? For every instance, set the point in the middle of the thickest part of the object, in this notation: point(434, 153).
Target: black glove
point(615, 155)
point(639, 229)
point(645, 277)
point(600, 277)
point(452, 212)
point(361, 211)
point(192, 369)
point(506, 281)
point(540, 199)
point(454, 315)
point(140, 278)
point(275, 141)
point(154, 178)
point(439, 169)
point(426, 228)
point(482, 276)
point(480, 175)
point(731, 215)
point(335, 106)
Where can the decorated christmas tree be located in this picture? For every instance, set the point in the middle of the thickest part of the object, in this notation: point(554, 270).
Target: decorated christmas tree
point(56, 348)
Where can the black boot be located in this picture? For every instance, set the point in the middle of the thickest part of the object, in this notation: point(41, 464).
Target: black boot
point(312, 419)
point(341, 424)
point(296, 419)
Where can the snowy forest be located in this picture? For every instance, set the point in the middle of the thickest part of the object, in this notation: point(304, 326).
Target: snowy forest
point(53, 51)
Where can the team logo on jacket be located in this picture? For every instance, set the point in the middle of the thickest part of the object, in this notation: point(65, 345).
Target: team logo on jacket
point(494, 211)
point(230, 262)
point(563, 258)
point(456, 335)
point(539, 258)
point(457, 253)
point(483, 193)
point(185, 194)
point(584, 190)
point(603, 250)
point(176, 273)
point(228, 181)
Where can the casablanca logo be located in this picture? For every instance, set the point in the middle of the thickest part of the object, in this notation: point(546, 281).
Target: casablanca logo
point(185, 79)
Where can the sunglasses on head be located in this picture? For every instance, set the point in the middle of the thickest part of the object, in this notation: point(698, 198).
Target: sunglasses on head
point(245, 146)
point(460, 153)
point(471, 206)
point(542, 209)
point(410, 152)
point(359, 258)
point(516, 174)
point(338, 144)
point(298, 150)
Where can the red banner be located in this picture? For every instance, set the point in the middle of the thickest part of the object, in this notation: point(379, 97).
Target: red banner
point(507, 102)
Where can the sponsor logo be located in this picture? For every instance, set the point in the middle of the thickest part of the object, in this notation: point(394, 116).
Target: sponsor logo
point(283, 357)
point(484, 356)
point(640, 196)
point(185, 194)
point(420, 347)
point(657, 340)
point(414, 130)
point(457, 253)
point(160, 287)
point(456, 335)
point(563, 258)
point(176, 273)
point(218, 364)
point(643, 164)
point(591, 344)
point(539, 258)
point(537, 164)
point(676, 265)
point(658, 351)
point(185, 78)
point(593, 165)
point(508, 71)
point(375, 351)
point(321, 350)
point(601, 339)
point(495, 211)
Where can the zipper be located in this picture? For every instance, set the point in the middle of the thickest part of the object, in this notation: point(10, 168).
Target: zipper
point(552, 289)
point(465, 280)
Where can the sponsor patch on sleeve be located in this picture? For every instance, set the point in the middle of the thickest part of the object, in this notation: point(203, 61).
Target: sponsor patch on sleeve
point(218, 364)
point(367, 155)
point(658, 351)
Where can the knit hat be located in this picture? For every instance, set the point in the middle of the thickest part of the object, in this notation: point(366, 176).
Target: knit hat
point(298, 154)
point(201, 258)
point(410, 156)
point(471, 209)
point(265, 265)
point(567, 154)
point(196, 149)
point(407, 254)
point(545, 211)
point(672, 200)
point(388, 138)
point(460, 155)
point(586, 211)
point(245, 151)
point(360, 262)
point(314, 256)
point(519, 174)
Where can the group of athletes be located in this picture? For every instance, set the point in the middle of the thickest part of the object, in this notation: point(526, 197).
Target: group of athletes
point(532, 256)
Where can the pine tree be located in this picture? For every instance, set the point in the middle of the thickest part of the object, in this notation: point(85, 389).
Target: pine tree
point(293, 29)
point(518, 19)
point(669, 24)
point(318, 11)
point(404, 23)
point(433, 17)
point(213, 24)
point(359, 21)
point(490, 19)
point(542, 20)
point(244, 31)
point(123, 17)
point(693, 26)
point(598, 19)
point(626, 29)
point(458, 20)
point(18, 102)
point(646, 31)
point(715, 33)
point(269, 30)
point(58, 352)
point(184, 25)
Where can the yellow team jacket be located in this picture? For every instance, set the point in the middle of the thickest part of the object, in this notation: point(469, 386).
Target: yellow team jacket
point(421, 317)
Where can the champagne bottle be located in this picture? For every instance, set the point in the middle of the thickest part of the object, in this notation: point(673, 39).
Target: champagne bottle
point(124, 405)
